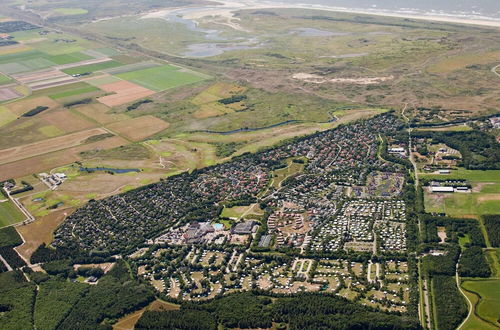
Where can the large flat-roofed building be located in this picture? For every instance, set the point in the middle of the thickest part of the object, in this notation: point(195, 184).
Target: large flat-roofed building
point(442, 189)
point(243, 227)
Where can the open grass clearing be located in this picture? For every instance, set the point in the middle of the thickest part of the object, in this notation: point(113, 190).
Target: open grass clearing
point(70, 11)
point(459, 204)
point(128, 321)
point(10, 214)
point(453, 128)
point(40, 231)
point(461, 61)
point(470, 175)
point(488, 290)
point(162, 78)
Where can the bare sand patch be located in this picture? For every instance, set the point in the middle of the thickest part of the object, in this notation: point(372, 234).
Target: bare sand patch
point(441, 232)
point(317, 79)
point(139, 128)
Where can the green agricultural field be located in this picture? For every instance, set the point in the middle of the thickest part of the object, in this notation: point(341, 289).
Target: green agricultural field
point(161, 78)
point(4, 79)
point(59, 89)
point(458, 204)
point(92, 67)
point(29, 63)
point(9, 214)
point(488, 307)
point(470, 175)
point(74, 92)
point(70, 11)
point(69, 58)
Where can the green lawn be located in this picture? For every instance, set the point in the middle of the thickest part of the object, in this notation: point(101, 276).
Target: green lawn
point(488, 290)
point(9, 214)
point(78, 91)
point(161, 78)
point(464, 240)
point(92, 67)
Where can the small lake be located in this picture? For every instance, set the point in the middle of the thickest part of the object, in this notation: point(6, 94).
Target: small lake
point(312, 32)
point(208, 49)
point(108, 169)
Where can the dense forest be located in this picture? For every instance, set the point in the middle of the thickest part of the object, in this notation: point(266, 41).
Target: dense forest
point(9, 238)
point(455, 228)
point(473, 263)
point(492, 224)
point(479, 150)
point(248, 310)
point(450, 305)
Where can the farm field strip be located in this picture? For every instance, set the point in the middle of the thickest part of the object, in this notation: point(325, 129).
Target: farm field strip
point(55, 159)
point(46, 146)
point(54, 84)
point(7, 94)
point(83, 63)
point(9, 214)
point(125, 92)
point(139, 128)
point(161, 78)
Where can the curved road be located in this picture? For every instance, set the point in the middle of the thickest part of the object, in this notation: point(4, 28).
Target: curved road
point(469, 303)
point(494, 70)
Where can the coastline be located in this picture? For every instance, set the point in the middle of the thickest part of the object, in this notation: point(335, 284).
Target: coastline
point(227, 8)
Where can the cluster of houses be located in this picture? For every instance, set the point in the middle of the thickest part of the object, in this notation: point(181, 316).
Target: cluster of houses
point(200, 273)
point(334, 161)
point(359, 222)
